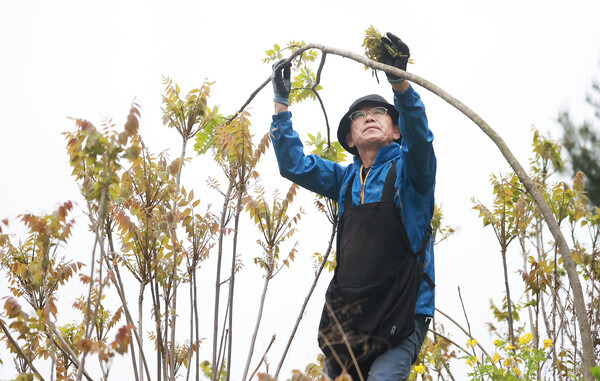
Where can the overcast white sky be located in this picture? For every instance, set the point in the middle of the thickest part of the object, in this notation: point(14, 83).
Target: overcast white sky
point(515, 63)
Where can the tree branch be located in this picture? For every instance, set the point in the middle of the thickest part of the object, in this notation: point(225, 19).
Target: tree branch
point(19, 350)
point(262, 359)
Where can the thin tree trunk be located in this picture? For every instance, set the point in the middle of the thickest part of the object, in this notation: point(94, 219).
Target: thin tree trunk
point(173, 281)
point(511, 333)
point(238, 211)
point(172, 327)
point(141, 324)
point(190, 354)
point(259, 316)
point(196, 321)
point(159, 335)
point(534, 331)
point(218, 276)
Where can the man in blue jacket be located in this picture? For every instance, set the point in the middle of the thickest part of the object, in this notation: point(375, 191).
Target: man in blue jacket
point(381, 298)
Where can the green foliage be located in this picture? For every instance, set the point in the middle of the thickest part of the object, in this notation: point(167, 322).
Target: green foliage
point(207, 371)
point(372, 45)
point(547, 303)
point(520, 362)
point(333, 152)
point(305, 83)
point(547, 158)
point(189, 115)
point(440, 232)
point(275, 225)
point(96, 156)
point(582, 144)
point(511, 211)
point(205, 138)
point(35, 270)
point(25, 377)
point(501, 313)
point(143, 206)
point(331, 263)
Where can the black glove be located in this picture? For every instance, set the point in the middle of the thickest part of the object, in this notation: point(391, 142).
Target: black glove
point(388, 58)
point(280, 78)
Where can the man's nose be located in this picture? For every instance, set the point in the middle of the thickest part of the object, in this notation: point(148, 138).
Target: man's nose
point(369, 117)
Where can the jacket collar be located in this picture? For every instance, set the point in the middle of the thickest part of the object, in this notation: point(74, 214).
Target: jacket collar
point(384, 155)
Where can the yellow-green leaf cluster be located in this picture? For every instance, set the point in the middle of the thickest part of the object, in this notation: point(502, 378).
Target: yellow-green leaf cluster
point(373, 43)
point(187, 115)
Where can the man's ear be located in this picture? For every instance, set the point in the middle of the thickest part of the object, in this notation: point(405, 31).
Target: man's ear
point(397, 133)
point(349, 140)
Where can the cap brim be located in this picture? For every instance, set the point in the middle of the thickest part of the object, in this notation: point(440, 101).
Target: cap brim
point(344, 126)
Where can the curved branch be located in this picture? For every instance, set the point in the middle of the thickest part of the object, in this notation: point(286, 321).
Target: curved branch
point(314, 89)
point(565, 252)
point(532, 189)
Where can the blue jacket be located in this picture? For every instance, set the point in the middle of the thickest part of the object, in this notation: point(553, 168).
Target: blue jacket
point(415, 180)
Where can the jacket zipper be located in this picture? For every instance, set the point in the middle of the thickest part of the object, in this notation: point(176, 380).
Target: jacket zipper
point(362, 184)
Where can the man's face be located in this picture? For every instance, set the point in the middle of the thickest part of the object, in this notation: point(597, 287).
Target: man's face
point(372, 132)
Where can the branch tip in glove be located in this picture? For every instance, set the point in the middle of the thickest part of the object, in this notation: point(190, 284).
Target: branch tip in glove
point(394, 52)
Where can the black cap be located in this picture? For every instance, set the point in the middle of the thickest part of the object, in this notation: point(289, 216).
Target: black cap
point(372, 99)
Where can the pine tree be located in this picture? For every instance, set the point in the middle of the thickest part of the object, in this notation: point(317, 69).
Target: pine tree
point(582, 143)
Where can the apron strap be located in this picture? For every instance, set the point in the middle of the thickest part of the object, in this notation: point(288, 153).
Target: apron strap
point(389, 187)
point(387, 195)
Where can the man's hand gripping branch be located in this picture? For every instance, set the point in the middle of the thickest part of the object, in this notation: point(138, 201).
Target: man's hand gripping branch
point(280, 78)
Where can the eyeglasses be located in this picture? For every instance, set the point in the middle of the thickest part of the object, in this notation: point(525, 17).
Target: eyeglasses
point(375, 112)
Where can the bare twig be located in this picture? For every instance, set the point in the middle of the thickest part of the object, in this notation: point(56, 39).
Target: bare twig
point(450, 341)
point(462, 329)
point(345, 338)
point(462, 304)
point(335, 355)
point(263, 358)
